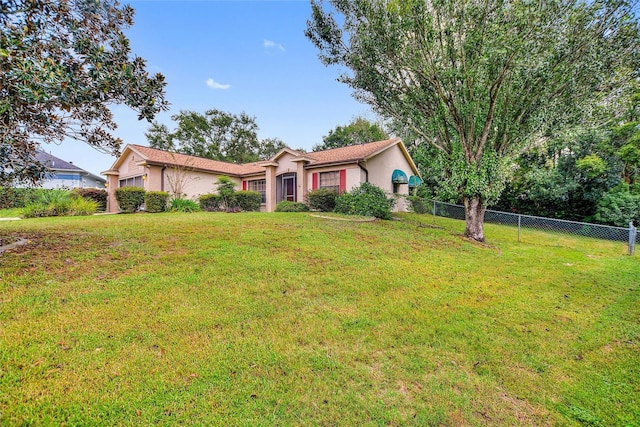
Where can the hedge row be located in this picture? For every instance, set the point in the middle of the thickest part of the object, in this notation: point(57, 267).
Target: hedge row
point(246, 201)
point(366, 200)
point(130, 199)
point(156, 201)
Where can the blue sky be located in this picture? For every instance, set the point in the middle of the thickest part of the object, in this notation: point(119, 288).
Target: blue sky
point(234, 56)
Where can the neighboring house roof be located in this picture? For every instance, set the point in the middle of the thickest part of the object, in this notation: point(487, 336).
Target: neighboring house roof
point(55, 164)
point(350, 154)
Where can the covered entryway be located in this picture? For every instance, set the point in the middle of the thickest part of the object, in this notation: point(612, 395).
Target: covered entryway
point(286, 187)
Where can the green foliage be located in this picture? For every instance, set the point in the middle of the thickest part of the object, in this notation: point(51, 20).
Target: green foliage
point(592, 165)
point(226, 189)
point(11, 197)
point(322, 199)
point(100, 196)
point(156, 201)
point(619, 206)
point(564, 177)
point(484, 179)
point(269, 147)
point(216, 135)
point(81, 206)
point(130, 199)
point(287, 206)
point(183, 205)
point(420, 205)
point(210, 202)
point(230, 200)
point(247, 201)
point(61, 85)
point(359, 131)
point(366, 200)
point(58, 203)
point(627, 137)
point(472, 80)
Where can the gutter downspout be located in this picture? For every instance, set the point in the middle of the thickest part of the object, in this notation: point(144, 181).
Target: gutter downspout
point(366, 172)
point(162, 177)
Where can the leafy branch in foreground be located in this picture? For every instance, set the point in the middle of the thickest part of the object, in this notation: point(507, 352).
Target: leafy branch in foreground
point(62, 64)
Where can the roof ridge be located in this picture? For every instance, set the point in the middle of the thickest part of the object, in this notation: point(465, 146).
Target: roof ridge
point(389, 140)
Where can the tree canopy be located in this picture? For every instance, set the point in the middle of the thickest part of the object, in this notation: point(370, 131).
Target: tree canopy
point(62, 64)
point(358, 131)
point(479, 81)
point(216, 135)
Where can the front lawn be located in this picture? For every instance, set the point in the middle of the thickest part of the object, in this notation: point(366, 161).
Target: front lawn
point(289, 319)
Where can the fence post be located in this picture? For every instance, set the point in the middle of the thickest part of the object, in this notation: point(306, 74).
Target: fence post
point(632, 237)
point(434, 211)
point(519, 219)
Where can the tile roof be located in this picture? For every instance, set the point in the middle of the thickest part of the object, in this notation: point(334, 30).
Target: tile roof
point(349, 154)
point(337, 155)
point(164, 157)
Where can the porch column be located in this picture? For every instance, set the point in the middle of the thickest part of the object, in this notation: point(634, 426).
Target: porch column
point(270, 195)
point(112, 186)
point(301, 179)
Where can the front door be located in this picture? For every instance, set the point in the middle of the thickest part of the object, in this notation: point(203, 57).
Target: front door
point(289, 188)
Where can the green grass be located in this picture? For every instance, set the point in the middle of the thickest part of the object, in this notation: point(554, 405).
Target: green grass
point(11, 213)
point(286, 319)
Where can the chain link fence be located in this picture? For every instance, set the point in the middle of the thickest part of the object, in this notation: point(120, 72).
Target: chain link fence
point(628, 235)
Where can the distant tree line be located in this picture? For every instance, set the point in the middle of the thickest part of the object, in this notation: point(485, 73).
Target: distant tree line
point(216, 135)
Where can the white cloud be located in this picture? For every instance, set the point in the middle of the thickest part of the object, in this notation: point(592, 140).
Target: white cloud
point(215, 85)
point(269, 44)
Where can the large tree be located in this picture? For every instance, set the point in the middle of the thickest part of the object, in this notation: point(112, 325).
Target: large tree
point(358, 131)
point(62, 64)
point(479, 80)
point(216, 135)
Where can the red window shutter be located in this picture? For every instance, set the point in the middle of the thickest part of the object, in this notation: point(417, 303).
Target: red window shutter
point(314, 181)
point(343, 180)
point(244, 185)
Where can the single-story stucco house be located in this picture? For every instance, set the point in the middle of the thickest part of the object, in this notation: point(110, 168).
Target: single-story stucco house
point(289, 175)
point(63, 174)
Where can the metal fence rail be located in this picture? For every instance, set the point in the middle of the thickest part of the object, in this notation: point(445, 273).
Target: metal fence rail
point(596, 231)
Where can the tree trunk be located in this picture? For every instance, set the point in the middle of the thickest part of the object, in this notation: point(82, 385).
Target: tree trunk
point(474, 217)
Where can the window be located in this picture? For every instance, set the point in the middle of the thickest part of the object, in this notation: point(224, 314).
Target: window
point(330, 180)
point(260, 186)
point(73, 177)
point(135, 181)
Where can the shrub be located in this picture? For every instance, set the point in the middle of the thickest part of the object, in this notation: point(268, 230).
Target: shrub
point(367, 200)
point(619, 206)
point(58, 203)
point(184, 205)
point(35, 210)
point(226, 191)
point(48, 203)
point(210, 202)
point(286, 206)
point(11, 198)
point(419, 205)
point(80, 206)
point(130, 199)
point(322, 199)
point(100, 196)
point(247, 201)
point(156, 201)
